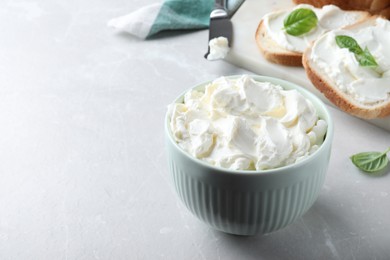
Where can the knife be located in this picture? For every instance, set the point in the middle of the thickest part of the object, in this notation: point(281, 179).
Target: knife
point(220, 24)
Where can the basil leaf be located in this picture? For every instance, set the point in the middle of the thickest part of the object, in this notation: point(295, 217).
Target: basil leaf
point(300, 21)
point(370, 161)
point(364, 58)
point(350, 43)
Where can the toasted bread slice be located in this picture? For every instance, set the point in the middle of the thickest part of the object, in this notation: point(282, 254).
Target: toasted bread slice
point(278, 54)
point(273, 52)
point(324, 81)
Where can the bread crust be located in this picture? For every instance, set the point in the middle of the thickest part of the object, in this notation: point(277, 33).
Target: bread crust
point(379, 7)
point(340, 99)
point(279, 56)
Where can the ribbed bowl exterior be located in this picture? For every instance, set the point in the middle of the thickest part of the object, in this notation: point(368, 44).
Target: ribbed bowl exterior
point(246, 203)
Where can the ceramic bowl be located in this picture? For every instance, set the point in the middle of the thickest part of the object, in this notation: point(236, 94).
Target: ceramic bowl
point(250, 202)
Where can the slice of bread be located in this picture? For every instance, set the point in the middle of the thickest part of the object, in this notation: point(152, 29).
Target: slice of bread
point(379, 7)
point(323, 79)
point(273, 52)
point(278, 54)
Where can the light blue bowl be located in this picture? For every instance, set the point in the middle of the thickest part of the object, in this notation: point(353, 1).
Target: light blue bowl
point(250, 202)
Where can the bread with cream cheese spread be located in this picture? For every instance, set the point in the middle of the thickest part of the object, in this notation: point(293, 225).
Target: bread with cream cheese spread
point(327, 80)
point(275, 53)
point(379, 7)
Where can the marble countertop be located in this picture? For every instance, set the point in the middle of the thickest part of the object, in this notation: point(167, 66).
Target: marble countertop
point(83, 173)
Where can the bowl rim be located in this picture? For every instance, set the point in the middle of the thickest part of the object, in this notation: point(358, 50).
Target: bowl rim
point(319, 104)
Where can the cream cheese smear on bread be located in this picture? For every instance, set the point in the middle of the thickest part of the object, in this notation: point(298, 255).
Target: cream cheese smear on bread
point(243, 124)
point(329, 17)
point(365, 85)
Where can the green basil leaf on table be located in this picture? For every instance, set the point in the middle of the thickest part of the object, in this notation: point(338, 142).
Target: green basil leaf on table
point(371, 161)
point(300, 21)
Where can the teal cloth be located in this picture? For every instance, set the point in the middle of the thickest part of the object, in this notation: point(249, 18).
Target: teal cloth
point(186, 14)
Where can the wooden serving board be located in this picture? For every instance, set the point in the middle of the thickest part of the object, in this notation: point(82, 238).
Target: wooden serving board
point(244, 52)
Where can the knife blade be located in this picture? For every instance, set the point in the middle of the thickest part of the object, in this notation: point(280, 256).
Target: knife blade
point(220, 24)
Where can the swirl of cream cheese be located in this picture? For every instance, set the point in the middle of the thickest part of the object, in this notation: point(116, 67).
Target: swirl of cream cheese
point(243, 124)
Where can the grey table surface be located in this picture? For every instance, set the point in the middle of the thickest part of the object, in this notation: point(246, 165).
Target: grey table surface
point(83, 173)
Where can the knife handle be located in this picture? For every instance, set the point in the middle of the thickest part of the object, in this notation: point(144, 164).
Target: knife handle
point(220, 4)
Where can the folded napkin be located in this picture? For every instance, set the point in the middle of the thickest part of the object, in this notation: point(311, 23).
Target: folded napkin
point(169, 15)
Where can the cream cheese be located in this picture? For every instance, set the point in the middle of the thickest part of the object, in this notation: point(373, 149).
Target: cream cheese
point(243, 124)
point(329, 17)
point(219, 47)
point(365, 85)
